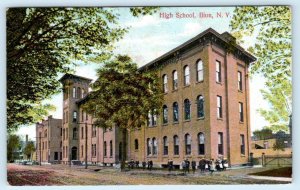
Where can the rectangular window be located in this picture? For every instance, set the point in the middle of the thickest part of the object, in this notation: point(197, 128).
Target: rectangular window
point(241, 111)
point(219, 106)
point(240, 81)
point(220, 143)
point(55, 155)
point(218, 71)
point(110, 149)
point(94, 131)
point(242, 145)
point(105, 149)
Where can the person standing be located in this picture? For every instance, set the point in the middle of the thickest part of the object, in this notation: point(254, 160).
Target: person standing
point(193, 166)
point(183, 164)
point(144, 165)
point(212, 166)
point(202, 165)
point(151, 164)
point(188, 165)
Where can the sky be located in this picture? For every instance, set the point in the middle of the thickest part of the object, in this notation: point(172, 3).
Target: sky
point(153, 35)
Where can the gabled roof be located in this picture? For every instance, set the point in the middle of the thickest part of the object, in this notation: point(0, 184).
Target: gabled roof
point(71, 76)
point(225, 37)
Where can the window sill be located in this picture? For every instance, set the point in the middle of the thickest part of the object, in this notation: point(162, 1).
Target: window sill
point(241, 91)
point(136, 150)
point(186, 86)
point(201, 81)
point(165, 124)
point(243, 155)
point(188, 120)
point(176, 156)
point(175, 123)
point(200, 118)
point(241, 122)
point(220, 83)
point(221, 119)
point(175, 90)
point(165, 156)
point(152, 126)
point(165, 93)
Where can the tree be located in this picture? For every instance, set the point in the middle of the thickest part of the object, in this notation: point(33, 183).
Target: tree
point(280, 107)
point(13, 144)
point(123, 96)
point(29, 149)
point(263, 134)
point(43, 42)
point(271, 26)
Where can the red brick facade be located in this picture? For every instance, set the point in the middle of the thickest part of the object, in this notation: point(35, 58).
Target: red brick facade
point(218, 127)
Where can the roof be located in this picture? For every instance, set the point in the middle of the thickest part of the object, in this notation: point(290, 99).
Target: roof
point(225, 37)
point(71, 76)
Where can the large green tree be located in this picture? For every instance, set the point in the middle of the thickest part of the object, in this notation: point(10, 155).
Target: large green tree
point(13, 144)
point(123, 96)
point(271, 28)
point(43, 42)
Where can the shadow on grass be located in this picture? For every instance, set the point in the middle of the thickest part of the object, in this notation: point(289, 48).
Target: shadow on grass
point(279, 172)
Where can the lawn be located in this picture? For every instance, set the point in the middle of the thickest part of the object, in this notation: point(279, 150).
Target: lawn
point(279, 172)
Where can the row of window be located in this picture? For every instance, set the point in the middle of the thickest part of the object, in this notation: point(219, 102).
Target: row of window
point(152, 117)
point(199, 76)
point(152, 145)
point(186, 74)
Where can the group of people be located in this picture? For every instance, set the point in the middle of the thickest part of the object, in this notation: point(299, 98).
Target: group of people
point(213, 165)
point(135, 164)
point(205, 165)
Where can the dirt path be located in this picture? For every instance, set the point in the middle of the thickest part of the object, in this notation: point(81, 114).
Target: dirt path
point(65, 175)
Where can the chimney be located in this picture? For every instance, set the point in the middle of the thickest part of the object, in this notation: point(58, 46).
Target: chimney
point(228, 37)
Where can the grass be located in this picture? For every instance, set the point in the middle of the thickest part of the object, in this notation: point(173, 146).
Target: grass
point(279, 172)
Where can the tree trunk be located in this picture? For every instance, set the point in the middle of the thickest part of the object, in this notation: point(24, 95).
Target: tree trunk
point(124, 133)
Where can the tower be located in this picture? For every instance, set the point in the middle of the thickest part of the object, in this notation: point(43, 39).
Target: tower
point(74, 89)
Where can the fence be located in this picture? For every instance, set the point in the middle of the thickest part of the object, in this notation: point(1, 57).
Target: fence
point(273, 160)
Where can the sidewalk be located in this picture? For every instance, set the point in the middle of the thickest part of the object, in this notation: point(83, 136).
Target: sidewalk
point(287, 179)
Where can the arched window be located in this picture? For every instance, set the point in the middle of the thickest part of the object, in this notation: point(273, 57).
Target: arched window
point(187, 109)
point(74, 92)
point(78, 92)
point(165, 114)
point(152, 118)
point(201, 144)
point(149, 146)
point(165, 83)
point(74, 116)
point(45, 133)
point(82, 93)
point(154, 146)
point(136, 144)
point(200, 106)
point(165, 144)
point(74, 133)
point(187, 140)
point(176, 145)
point(199, 66)
point(175, 112)
point(175, 80)
point(186, 75)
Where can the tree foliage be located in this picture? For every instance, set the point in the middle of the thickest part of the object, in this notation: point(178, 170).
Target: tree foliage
point(263, 134)
point(271, 27)
point(123, 96)
point(42, 42)
point(29, 149)
point(13, 144)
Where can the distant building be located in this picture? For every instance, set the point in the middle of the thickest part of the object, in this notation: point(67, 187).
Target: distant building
point(49, 140)
point(260, 146)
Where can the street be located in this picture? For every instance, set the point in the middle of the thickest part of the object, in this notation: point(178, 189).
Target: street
point(19, 175)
